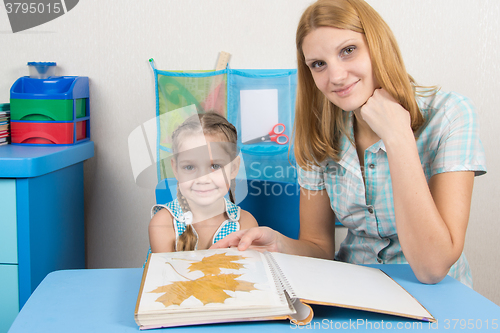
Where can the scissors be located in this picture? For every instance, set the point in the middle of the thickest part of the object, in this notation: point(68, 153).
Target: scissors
point(276, 135)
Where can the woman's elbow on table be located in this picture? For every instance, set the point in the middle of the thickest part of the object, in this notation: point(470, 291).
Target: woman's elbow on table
point(430, 274)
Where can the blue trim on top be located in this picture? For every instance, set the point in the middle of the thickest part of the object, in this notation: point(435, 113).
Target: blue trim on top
point(247, 73)
point(197, 74)
point(33, 63)
point(263, 73)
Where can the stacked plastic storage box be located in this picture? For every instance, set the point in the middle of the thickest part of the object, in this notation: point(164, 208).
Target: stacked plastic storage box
point(4, 124)
point(54, 110)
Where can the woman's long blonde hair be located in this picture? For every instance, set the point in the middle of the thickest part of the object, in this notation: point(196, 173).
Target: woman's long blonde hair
point(318, 123)
point(213, 124)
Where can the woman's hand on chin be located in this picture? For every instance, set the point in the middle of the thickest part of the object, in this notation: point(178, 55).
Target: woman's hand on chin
point(385, 116)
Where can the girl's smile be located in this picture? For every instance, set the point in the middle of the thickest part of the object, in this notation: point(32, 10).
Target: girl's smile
point(204, 192)
point(204, 169)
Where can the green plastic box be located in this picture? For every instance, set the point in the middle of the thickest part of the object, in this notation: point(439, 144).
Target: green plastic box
point(46, 109)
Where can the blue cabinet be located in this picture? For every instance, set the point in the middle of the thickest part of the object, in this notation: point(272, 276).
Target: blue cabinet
point(41, 218)
point(9, 295)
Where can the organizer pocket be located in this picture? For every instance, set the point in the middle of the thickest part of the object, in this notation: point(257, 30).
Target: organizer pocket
point(179, 92)
point(258, 100)
point(252, 100)
point(206, 90)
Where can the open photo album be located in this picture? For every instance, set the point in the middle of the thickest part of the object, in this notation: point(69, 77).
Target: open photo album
point(227, 285)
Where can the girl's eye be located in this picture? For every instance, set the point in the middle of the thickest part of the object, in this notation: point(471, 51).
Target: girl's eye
point(347, 51)
point(188, 167)
point(216, 166)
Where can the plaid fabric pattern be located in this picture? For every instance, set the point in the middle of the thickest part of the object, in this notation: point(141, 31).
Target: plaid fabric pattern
point(227, 227)
point(448, 141)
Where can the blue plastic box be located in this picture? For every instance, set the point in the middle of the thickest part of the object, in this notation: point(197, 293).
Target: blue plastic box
point(49, 93)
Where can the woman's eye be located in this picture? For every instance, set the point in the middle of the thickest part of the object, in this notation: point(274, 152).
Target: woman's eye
point(348, 50)
point(317, 64)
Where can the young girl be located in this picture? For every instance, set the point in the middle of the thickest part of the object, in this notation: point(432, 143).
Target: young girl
point(205, 164)
point(394, 162)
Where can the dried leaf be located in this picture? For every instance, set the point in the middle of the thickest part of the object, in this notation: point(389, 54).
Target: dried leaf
point(207, 289)
point(211, 265)
point(211, 287)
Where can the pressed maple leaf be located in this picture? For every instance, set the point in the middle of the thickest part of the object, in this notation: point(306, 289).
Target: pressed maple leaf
point(211, 265)
point(207, 289)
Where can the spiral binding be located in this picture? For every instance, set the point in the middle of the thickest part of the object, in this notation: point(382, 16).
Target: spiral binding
point(279, 277)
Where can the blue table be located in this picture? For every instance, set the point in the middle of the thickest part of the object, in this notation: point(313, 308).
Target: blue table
point(103, 300)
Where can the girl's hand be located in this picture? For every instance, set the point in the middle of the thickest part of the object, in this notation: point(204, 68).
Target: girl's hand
point(259, 238)
point(385, 116)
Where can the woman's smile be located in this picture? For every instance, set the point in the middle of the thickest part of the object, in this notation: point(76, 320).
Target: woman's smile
point(346, 90)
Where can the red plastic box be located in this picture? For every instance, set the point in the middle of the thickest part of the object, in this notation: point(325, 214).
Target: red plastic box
point(47, 132)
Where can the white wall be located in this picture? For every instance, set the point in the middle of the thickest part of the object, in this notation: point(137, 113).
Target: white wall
point(451, 43)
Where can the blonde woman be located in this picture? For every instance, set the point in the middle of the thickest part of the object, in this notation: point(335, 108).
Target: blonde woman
point(394, 162)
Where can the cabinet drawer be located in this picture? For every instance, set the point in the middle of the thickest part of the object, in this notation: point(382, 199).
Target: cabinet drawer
point(9, 296)
point(8, 221)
